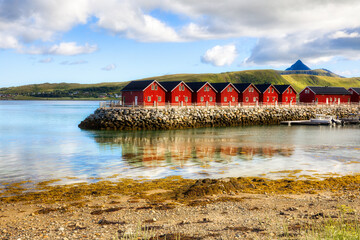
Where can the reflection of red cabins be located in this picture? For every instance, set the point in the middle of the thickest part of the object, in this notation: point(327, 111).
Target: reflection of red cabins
point(327, 95)
point(178, 93)
point(355, 94)
point(227, 94)
point(204, 94)
point(268, 94)
point(249, 94)
point(287, 94)
point(144, 93)
point(229, 151)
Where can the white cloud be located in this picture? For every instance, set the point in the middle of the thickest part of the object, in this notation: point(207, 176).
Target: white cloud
point(109, 67)
point(343, 34)
point(65, 49)
point(46, 60)
point(220, 55)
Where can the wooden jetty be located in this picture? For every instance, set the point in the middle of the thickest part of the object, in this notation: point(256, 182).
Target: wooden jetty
point(305, 122)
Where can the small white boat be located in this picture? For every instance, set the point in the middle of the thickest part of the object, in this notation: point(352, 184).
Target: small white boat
point(322, 119)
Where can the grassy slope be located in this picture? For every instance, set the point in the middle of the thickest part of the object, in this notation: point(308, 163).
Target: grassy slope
point(299, 81)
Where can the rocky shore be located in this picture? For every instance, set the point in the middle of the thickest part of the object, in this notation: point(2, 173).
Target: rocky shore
point(189, 117)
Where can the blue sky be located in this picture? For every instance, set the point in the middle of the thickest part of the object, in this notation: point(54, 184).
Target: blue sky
point(89, 41)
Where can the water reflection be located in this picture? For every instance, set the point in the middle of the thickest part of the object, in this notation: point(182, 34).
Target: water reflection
point(195, 146)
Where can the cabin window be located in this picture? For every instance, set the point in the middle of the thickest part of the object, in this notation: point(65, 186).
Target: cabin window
point(273, 99)
point(186, 99)
point(202, 99)
point(272, 90)
point(287, 92)
point(330, 99)
point(306, 91)
point(210, 99)
point(267, 98)
point(233, 99)
point(225, 99)
point(176, 99)
point(155, 87)
point(180, 88)
point(334, 99)
point(159, 98)
point(149, 99)
point(286, 97)
point(290, 90)
point(183, 88)
point(152, 87)
point(269, 90)
point(246, 99)
point(254, 99)
point(317, 99)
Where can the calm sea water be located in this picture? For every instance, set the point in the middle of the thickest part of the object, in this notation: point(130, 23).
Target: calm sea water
point(40, 140)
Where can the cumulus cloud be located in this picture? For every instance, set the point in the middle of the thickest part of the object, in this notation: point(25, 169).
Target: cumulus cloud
point(220, 55)
point(65, 49)
point(24, 21)
point(109, 67)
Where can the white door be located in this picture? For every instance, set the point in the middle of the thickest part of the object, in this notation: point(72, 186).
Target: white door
point(136, 100)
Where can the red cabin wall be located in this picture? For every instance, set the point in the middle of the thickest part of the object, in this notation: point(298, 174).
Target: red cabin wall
point(129, 97)
point(331, 98)
point(273, 96)
point(307, 97)
point(289, 94)
point(355, 97)
point(181, 94)
point(250, 95)
point(206, 95)
point(229, 94)
point(154, 95)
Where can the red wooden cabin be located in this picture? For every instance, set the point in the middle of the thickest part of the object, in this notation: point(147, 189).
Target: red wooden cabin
point(227, 94)
point(204, 94)
point(144, 93)
point(268, 94)
point(325, 95)
point(248, 93)
point(355, 95)
point(287, 94)
point(178, 93)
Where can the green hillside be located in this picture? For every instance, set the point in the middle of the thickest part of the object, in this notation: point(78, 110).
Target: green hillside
point(109, 90)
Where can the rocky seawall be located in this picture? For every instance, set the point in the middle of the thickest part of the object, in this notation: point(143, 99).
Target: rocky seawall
point(178, 118)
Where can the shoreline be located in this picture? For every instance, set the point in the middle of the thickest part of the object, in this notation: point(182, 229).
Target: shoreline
point(190, 117)
point(230, 208)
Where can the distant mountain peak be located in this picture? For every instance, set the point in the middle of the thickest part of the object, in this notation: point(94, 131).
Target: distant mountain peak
point(299, 65)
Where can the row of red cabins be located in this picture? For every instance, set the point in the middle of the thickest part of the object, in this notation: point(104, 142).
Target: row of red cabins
point(179, 93)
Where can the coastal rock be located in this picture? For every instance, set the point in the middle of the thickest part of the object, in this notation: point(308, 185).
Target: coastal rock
point(191, 117)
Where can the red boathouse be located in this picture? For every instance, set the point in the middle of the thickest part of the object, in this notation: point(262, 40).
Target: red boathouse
point(227, 94)
point(144, 93)
point(287, 94)
point(248, 93)
point(268, 94)
point(178, 93)
point(325, 95)
point(204, 94)
point(355, 95)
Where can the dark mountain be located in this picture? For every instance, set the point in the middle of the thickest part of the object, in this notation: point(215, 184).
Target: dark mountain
point(299, 65)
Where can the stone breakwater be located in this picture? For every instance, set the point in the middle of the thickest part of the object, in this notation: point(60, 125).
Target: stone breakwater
point(178, 118)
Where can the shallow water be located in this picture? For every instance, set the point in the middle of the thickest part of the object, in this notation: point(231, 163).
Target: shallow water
point(40, 140)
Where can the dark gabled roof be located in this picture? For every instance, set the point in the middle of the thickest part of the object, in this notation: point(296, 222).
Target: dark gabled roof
point(329, 90)
point(221, 86)
point(357, 90)
point(263, 87)
point(282, 88)
point(196, 86)
point(139, 85)
point(171, 85)
point(243, 86)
